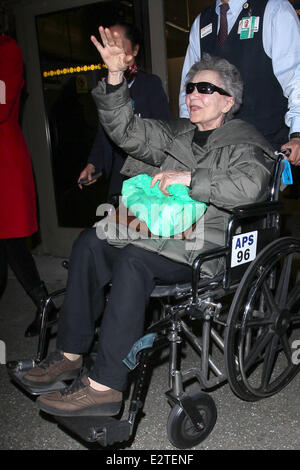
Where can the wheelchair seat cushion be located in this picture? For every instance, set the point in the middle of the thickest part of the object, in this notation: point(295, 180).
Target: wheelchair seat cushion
point(163, 290)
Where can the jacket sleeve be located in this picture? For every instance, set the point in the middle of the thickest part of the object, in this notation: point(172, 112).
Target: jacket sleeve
point(245, 180)
point(11, 76)
point(101, 152)
point(143, 139)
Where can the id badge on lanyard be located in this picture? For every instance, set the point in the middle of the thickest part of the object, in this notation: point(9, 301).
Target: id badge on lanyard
point(248, 26)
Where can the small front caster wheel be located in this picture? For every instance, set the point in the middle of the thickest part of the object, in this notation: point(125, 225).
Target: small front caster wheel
point(181, 431)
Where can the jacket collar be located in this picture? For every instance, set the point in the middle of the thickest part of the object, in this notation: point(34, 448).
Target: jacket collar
point(237, 132)
point(234, 132)
point(181, 146)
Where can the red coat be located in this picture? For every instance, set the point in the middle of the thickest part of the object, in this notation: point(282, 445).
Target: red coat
point(17, 190)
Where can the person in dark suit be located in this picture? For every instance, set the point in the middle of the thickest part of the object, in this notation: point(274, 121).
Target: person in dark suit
point(149, 101)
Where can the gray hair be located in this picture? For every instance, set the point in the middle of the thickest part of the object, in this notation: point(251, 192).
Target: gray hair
point(230, 77)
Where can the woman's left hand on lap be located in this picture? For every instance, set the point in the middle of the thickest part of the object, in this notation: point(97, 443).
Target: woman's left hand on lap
point(168, 177)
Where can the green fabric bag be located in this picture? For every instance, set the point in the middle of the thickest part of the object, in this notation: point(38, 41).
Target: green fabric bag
point(165, 216)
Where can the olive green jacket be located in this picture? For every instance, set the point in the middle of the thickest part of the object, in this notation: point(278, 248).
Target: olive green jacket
point(233, 168)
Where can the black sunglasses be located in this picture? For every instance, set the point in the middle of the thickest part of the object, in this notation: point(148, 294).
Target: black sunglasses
point(205, 87)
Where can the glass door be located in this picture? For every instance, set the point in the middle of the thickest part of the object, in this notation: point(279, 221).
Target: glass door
point(70, 69)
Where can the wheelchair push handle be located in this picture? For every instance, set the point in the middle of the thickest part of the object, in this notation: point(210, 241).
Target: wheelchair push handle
point(283, 153)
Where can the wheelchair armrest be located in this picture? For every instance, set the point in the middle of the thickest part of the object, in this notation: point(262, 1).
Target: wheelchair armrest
point(218, 252)
point(238, 213)
point(256, 209)
point(248, 211)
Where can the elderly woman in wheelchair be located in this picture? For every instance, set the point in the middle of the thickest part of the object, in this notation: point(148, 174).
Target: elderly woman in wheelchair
point(224, 163)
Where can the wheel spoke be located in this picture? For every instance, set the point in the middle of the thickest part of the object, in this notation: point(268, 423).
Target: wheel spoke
point(259, 323)
point(295, 318)
point(286, 347)
point(293, 296)
point(248, 341)
point(264, 339)
point(269, 361)
point(270, 301)
point(284, 280)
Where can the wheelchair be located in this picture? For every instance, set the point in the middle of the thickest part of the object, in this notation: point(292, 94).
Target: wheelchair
point(248, 343)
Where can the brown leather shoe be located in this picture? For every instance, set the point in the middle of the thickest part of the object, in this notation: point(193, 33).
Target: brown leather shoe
point(80, 399)
point(54, 368)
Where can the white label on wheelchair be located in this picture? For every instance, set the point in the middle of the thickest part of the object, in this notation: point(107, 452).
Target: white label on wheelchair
point(243, 248)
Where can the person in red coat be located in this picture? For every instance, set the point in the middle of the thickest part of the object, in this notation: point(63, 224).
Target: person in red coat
point(17, 190)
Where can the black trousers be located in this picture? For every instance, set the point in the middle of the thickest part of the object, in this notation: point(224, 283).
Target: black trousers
point(15, 253)
point(133, 272)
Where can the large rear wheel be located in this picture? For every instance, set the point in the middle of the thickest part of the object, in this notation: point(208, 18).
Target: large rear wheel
point(263, 329)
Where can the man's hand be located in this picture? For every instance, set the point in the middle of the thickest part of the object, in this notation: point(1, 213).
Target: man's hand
point(166, 178)
point(294, 146)
point(87, 173)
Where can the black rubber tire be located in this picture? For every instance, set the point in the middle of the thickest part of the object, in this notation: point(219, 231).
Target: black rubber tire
point(181, 432)
point(261, 321)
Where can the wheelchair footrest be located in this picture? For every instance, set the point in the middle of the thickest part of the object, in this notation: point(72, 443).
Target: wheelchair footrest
point(102, 429)
point(17, 369)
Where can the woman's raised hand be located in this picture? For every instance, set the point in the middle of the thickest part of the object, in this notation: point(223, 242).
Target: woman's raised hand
point(112, 51)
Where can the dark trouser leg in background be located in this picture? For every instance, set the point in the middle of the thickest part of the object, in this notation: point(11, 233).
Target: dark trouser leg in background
point(15, 253)
point(22, 263)
point(133, 272)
